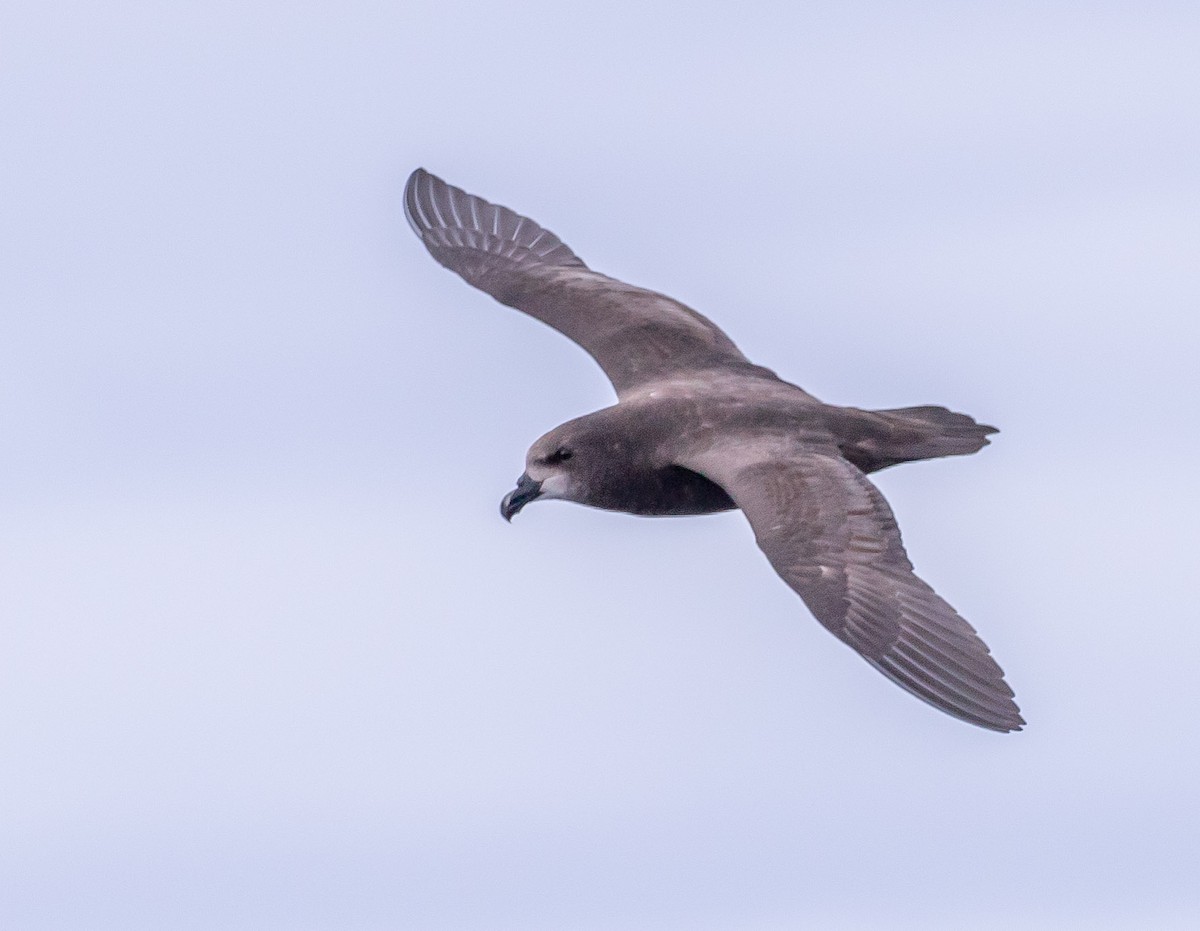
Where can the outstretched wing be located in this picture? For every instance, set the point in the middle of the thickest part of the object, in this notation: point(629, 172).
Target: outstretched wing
point(637, 336)
point(832, 537)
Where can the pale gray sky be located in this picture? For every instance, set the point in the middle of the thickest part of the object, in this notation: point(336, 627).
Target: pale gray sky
point(270, 657)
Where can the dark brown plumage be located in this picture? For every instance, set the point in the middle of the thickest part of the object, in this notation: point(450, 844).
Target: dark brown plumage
point(698, 428)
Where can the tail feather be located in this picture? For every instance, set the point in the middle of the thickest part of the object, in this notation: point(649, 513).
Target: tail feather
point(912, 433)
point(950, 433)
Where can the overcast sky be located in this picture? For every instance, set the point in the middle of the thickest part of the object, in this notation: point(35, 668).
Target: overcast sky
point(269, 657)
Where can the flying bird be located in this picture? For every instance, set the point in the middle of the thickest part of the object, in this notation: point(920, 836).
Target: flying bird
point(698, 428)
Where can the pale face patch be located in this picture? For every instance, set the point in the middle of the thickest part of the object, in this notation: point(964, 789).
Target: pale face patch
point(558, 485)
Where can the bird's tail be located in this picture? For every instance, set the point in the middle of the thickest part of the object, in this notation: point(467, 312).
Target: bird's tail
point(947, 433)
point(912, 433)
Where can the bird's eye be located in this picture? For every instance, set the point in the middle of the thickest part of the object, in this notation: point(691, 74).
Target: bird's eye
point(562, 454)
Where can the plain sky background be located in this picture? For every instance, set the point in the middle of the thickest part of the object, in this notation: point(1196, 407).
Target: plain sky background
point(269, 657)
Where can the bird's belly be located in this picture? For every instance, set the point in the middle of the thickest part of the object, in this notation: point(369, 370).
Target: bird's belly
point(670, 492)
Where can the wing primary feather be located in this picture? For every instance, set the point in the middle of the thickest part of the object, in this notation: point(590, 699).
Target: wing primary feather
point(473, 203)
point(941, 620)
point(977, 660)
point(921, 683)
point(431, 197)
point(452, 198)
point(419, 208)
point(960, 680)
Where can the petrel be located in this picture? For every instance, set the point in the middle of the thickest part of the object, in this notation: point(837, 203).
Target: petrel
point(698, 428)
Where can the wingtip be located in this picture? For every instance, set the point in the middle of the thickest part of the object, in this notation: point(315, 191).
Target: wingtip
point(1007, 725)
point(1004, 720)
point(410, 199)
point(412, 208)
point(1000, 722)
point(448, 219)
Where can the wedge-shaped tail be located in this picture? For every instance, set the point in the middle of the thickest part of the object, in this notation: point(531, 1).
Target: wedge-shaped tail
point(874, 440)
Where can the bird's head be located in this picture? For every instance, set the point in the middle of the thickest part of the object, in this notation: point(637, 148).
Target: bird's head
point(565, 464)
